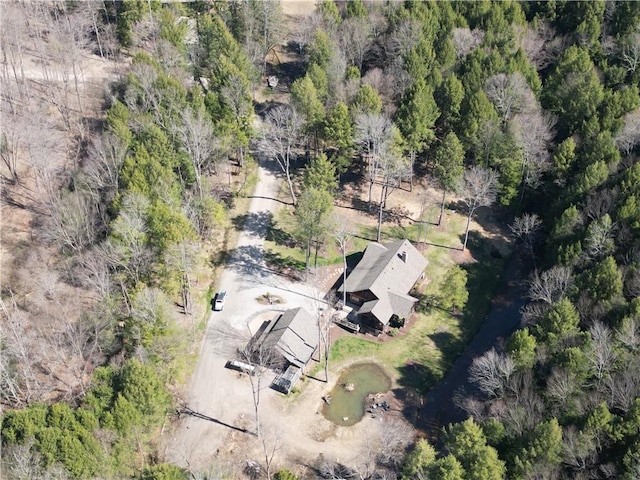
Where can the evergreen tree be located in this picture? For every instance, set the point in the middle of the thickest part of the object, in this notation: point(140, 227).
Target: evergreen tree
point(338, 133)
point(522, 348)
point(320, 174)
point(448, 166)
point(467, 443)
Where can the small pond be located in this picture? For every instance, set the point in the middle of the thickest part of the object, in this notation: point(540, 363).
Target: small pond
point(360, 380)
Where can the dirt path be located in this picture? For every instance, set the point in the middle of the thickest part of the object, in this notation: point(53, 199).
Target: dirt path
point(504, 318)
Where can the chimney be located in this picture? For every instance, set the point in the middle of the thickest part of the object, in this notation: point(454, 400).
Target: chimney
point(403, 256)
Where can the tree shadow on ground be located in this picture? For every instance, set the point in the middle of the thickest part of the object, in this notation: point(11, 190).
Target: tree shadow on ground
point(362, 206)
point(449, 346)
point(483, 279)
point(411, 401)
point(417, 377)
point(485, 217)
point(279, 236)
point(192, 413)
point(247, 260)
point(287, 73)
point(262, 108)
point(255, 224)
point(285, 265)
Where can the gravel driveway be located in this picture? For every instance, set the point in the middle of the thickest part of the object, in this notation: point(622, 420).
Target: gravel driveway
point(220, 399)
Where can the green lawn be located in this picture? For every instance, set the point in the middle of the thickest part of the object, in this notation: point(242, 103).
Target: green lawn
point(418, 356)
point(279, 241)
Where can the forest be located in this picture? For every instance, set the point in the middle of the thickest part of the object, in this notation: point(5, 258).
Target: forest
point(131, 132)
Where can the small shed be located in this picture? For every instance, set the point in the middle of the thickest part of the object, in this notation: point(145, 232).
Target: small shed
point(293, 337)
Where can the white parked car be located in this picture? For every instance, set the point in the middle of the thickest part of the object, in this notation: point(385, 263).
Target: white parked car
point(218, 304)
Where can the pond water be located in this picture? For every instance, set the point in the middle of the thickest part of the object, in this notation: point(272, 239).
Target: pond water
point(347, 406)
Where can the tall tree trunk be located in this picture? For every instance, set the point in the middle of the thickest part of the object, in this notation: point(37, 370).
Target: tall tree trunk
point(327, 347)
point(382, 201)
point(315, 258)
point(307, 257)
point(255, 390)
point(186, 294)
point(287, 171)
point(370, 192)
point(413, 161)
point(466, 231)
point(344, 275)
point(444, 193)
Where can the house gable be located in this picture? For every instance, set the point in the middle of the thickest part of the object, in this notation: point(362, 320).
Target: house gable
point(387, 273)
point(294, 335)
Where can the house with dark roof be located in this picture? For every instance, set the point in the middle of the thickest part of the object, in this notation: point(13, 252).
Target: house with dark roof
point(381, 281)
point(293, 339)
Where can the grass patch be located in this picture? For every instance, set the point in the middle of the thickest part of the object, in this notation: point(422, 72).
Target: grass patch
point(281, 248)
point(483, 280)
point(420, 356)
point(415, 356)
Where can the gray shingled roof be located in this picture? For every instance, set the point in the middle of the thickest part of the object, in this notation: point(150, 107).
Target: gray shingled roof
point(384, 272)
point(294, 334)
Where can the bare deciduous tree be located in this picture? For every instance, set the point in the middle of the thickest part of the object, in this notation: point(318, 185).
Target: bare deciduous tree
point(126, 250)
point(336, 471)
point(392, 168)
point(628, 334)
point(601, 352)
point(521, 408)
point(341, 234)
point(280, 135)
point(271, 439)
point(509, 93)
point(18, 378)
point(395, 436)
point(630, 51)
point(11, 141)
point(541, 45)
point(262, 358)
point(356, 36)
point(478, 188)
point(527, 227)
point(92, 272)
point(491, 372)
point(151, 311)
point(550, 285)
point(24, 462)
point(305, 29)
point(374, 133)
point(406, 35)
point(198, 140)
point(71, 221)
point(465, 40)
point(623, 387)
point(181, 257)
point(599, 237)
point(265, 26)
point(142, 94)
point(629, 135)
point(578, 448)
point(533, 133)
point(561, 385)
